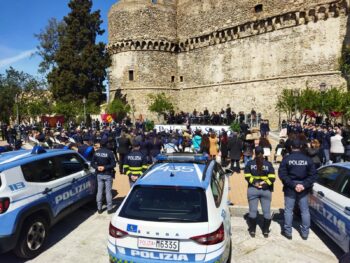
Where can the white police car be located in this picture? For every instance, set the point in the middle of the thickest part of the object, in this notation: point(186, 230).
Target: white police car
point(38, 188)
point(330, 203)
point(176, 212)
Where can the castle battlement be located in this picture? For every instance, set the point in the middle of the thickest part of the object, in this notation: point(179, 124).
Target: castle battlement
point(213, 53)
point(313, 14)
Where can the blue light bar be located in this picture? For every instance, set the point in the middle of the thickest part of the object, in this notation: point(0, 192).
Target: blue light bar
point(182, 158)
point(38, 150)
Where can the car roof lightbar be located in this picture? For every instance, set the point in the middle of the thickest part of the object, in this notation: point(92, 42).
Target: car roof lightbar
point(182, 158)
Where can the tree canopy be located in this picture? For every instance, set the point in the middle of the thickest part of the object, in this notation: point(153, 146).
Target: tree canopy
point(76, 64)
point(160, 103)
point(32, 98)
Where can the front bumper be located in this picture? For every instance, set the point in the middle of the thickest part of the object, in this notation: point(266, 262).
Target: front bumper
point(7, 243)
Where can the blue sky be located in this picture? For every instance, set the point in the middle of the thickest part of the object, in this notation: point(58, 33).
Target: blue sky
point(21, 19)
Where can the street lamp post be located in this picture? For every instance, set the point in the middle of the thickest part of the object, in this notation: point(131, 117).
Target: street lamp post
point(133, 110)
point(84, 102)
point(322, 90)
point(295, 95)
point(17, 109)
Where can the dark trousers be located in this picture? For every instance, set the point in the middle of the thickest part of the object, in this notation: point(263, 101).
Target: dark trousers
point(235, 166)
point(121, 162)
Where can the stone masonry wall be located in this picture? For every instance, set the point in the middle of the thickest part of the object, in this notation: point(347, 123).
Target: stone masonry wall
point(142, 20)
point(198, 17)
point(220, 52)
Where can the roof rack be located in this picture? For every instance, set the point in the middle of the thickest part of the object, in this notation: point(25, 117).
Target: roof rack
point(182, 158)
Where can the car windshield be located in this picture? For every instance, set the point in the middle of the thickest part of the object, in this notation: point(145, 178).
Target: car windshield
point(167, 204)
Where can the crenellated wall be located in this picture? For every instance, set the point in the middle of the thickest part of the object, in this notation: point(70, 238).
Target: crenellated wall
point(210, 53)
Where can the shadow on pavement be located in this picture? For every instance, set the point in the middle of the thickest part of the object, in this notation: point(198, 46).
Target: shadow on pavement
point(57, 232)
point(337, 251)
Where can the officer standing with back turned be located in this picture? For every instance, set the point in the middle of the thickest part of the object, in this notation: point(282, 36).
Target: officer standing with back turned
point(297, 173)
point(104, 163)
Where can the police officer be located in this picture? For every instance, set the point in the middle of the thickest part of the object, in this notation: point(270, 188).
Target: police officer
point(135, 163)
point(260, 176)
point(297, 173)
point(104, 162)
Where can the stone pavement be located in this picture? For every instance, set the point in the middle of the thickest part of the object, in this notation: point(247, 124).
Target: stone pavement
point(82, 237)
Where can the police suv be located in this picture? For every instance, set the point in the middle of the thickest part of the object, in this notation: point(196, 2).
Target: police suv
point(38, 188)
point(330, 203)
point(176, 212)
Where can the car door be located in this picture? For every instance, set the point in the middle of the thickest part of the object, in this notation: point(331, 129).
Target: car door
point(324, 201)
point(342, 198)
point(76, 170)
point(45, 177)
point(219, 187)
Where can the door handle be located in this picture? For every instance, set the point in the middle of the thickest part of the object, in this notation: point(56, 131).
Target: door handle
point(47, 190)
point(347, 210)
point(320, 193)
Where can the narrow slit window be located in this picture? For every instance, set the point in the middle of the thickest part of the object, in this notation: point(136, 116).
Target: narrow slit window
point(131, 75)
point(258, 8)
point(181, 79)
point(172, 78)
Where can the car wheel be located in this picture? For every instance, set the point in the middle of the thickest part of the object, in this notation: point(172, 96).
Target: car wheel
point(32, 238)
point(230, 254)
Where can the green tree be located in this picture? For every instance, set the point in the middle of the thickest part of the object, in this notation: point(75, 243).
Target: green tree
point(160, 103)
point(79, 68)
point(68, 109)
point(29, 92)
point(118, 107)
point(49, 44)
point(344, 63)
point(286, 102)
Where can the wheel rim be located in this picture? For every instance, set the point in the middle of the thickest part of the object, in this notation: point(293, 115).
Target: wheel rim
point(36, 236)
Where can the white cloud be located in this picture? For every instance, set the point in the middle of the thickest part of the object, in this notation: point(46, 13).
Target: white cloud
point(8, 61)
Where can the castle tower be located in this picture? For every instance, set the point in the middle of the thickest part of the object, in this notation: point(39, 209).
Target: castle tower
point(211, 53)
point(142, 37)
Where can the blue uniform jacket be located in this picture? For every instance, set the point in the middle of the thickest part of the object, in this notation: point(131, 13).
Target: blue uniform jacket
point(252, 175)
point(135, 163)
point(104, 157)
point(297, 168)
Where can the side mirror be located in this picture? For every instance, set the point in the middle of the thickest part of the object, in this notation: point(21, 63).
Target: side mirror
point(86, 166)
point(228, 171)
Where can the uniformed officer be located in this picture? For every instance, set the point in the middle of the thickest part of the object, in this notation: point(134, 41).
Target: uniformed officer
point(104, 163)
point(297, 173)
point(260, 176)
point(135, 163)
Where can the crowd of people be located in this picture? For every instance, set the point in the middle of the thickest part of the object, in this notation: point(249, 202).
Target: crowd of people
point(304, 147)
point(222, 117)
point(324, 143)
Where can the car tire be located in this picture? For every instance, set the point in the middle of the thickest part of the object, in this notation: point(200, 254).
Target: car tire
point(230, 254)
point(32, 238)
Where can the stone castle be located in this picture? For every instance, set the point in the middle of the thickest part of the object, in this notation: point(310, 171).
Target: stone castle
point(209, 53)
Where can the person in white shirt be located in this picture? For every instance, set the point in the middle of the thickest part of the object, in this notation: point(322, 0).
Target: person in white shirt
point(337, 146)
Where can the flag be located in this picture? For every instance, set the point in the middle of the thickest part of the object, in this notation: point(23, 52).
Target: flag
point(107, 117)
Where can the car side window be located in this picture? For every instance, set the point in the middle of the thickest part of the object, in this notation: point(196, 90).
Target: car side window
point(329, 177)
point(40, 171)
point(69, 164)
point(344, 188)
point(217, 186)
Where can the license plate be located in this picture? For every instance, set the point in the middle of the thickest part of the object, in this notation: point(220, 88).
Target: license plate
point(160, 244)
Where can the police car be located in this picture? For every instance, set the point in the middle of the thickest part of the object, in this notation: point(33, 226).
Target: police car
point(176, 212)
point(38, 188)
point(330, 203)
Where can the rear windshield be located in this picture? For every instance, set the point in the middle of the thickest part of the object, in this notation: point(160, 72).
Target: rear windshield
point(166, 204)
